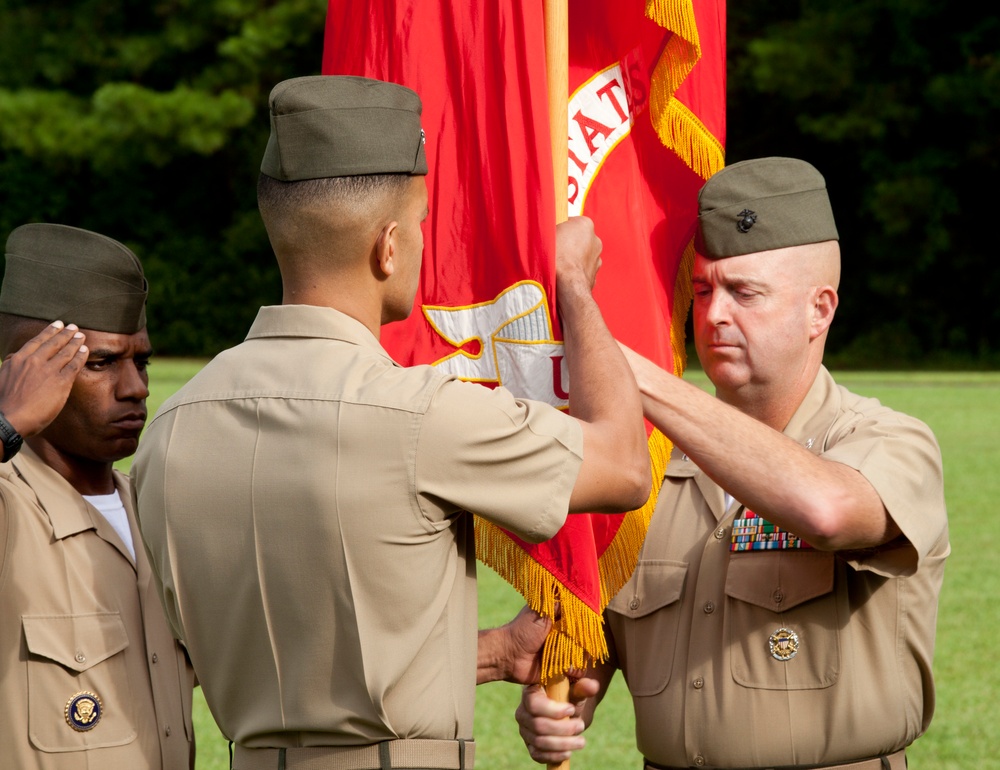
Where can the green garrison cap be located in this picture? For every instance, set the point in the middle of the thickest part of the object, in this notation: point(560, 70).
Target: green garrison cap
point(763, 204)
point(332, 125)
point(62, 273)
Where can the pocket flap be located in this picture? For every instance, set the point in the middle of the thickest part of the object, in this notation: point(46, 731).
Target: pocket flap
point(77, 642)
point(779, 580)
point(655, 584)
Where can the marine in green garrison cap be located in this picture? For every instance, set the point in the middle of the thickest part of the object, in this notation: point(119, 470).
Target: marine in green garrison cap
point(782, 613)
point(101, 679)
point(332, 488)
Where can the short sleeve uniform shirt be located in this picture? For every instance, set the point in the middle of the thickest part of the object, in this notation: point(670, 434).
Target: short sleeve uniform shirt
point(305, 502)
point(90, 674)
point(788, 656)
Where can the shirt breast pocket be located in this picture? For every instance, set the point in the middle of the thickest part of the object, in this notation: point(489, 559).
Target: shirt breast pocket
point(69, 655)
point(650, 605)
point(784, 619)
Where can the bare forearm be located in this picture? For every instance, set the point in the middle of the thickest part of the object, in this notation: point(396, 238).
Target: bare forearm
point(603, 396)
point(829, 504)
point(512, 652)
point(490, 657)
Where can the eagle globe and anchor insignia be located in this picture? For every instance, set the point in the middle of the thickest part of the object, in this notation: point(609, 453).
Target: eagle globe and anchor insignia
point(747, 219)
point(783, 644)
point(84, 710)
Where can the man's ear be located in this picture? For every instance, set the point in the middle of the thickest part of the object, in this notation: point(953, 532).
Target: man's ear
point(825, 302)
point(385, 250)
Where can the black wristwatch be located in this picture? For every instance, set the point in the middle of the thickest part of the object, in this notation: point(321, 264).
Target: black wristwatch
point(10, 439)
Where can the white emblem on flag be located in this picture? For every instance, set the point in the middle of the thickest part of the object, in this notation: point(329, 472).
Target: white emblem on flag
point(516, 345)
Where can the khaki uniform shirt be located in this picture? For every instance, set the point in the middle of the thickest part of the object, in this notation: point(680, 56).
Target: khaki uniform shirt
point(78, 615)
point(303, 500)
point(693, 628)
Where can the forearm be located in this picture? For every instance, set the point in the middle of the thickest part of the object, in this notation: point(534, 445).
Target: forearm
point(604, 397)
point(830, 505)
point(492, 664)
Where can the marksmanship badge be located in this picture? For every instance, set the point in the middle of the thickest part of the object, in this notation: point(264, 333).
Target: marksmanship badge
point(83, 711)
point(784, 644)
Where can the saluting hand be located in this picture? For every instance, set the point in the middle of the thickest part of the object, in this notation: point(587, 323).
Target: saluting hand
point(36, 380)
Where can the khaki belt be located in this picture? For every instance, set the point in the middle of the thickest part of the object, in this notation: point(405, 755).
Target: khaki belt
point(895, 761)
point(402, 754)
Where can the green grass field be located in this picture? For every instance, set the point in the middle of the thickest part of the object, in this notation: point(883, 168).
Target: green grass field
point(963, 409)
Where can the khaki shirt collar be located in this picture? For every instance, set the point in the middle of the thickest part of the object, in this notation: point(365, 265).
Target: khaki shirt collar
point(313, 321)
point(812, 420)
point(68, 512)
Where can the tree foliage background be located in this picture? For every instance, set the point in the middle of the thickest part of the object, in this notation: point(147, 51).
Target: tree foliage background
point(147, 120)
point(896, 103)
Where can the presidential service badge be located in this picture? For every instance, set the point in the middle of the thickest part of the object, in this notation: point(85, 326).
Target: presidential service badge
point(83, 711)
point(783, 644)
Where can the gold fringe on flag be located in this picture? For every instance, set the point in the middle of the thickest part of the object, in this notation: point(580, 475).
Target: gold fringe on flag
point(678, 127)
point(577, 635)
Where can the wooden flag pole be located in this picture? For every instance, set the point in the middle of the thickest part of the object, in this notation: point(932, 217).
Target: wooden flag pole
point(557, 69)
point(557, 77)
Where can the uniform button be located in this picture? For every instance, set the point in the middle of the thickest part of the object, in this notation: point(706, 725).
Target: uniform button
point(634, 604)
point(720, 533)
point(778, 596)
point(709, 608)
point(155, 657)
point(698, 683)
point(699, 760)
point(167, 731)
point(80, 657)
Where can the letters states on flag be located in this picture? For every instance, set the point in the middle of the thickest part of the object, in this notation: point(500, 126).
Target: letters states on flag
point(646, 127)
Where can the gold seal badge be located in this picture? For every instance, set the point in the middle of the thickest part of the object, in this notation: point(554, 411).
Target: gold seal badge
point(83, 711)
point(784, 644)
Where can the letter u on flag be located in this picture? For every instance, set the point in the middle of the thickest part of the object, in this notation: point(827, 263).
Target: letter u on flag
point(646, 127)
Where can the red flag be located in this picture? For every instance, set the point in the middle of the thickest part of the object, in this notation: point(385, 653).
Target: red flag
point(486, 300)
point(647, 128)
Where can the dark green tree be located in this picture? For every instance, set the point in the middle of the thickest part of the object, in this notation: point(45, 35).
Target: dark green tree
point(895, 101)
point(146, 121)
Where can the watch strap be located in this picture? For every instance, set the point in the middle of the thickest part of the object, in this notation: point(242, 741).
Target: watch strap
point(10, 439)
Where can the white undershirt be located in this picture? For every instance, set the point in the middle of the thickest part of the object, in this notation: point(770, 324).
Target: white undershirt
point(112, 509)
